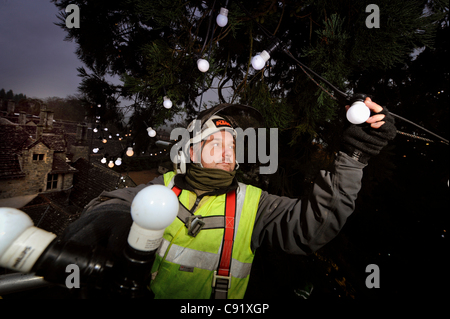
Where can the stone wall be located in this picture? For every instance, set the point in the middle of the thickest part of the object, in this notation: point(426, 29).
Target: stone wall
point(36, 171)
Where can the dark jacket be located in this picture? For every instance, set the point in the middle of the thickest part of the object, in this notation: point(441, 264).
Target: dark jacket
point(295, 226)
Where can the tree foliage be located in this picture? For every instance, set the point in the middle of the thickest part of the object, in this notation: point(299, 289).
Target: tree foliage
point(11, 96)
point(153, 47)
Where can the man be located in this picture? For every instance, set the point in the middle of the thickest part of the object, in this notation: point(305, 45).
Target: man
point(203, 253)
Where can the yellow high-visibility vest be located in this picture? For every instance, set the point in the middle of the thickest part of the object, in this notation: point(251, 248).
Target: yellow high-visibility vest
point(185, 265)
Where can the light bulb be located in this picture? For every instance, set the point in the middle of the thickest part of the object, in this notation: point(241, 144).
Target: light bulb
point(13, 222)
point(103, 160)
point(130, 151)
point(358, 113)
point(95, 130)
point(260, 60)
point(222, 18)
point(153, 209)
point(111, 164)
point(104, 140)
point(203, 65)
point(21, 243)
point(151, 132)
point(118, 161)
point(167, 103)
point(95, 150)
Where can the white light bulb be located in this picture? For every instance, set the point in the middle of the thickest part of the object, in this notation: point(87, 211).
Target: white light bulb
point(167, 103)
point(21, 243)
point(358, 113)
point(118, 161)
point(130, 151)
point(95, 130)
point(151, 132)
point(103, 160)
point(95, 150)
point(13, 222)
point(260, 60)
point(222, 18)
point(203, 65)
point(153, 209)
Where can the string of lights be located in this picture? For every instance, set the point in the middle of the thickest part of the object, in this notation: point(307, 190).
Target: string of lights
point(416, 137)
point(258, 62)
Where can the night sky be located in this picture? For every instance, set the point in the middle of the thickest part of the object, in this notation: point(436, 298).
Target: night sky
point(34, 58)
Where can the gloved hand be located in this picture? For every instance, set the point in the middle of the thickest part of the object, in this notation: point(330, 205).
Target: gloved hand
point(366, 140)
point(107, 225)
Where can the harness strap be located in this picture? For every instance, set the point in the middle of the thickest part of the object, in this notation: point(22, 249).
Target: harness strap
point(191, 220)
point(222, 276)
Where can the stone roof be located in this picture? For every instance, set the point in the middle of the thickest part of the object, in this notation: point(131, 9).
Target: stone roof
point(51, 212)
point(61, 166)
point(55, 142)
point(92, 179)
point(34, 143)
point(13, 139)
point(10, 166)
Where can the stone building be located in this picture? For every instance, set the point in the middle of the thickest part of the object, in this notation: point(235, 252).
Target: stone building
point(33, 162)
point(40, 159)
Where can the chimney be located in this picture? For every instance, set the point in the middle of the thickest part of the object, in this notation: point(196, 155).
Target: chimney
point(11, 107)
point(49, 124)
point(46, 118)
point(81, 133)
point(39, 130)
point(22, 118)
point(43, 115)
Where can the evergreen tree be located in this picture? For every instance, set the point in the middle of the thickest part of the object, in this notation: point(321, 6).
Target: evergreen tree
point(9, 95)
point(154, 45)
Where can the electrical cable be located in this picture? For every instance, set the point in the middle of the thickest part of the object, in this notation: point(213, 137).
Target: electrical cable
point(343, 95)
point(209, 53)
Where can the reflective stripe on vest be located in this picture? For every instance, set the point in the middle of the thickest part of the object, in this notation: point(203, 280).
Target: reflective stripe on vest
point(184, 265)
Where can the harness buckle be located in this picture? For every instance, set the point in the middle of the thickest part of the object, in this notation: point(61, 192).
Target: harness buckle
point(217, 277)
point(194, 224)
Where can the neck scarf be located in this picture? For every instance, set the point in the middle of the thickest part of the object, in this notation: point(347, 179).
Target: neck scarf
point(208, 179)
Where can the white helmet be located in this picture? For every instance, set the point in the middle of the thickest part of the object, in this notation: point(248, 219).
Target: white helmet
point(213, 125)
point(221, 117)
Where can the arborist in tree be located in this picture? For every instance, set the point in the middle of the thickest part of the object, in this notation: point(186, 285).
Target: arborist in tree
point(207, 252)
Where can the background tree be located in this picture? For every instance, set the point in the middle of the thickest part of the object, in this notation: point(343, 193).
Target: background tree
point(70, 108)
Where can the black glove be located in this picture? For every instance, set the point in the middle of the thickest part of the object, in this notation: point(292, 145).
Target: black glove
point(362, 141)
point(107, 226)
